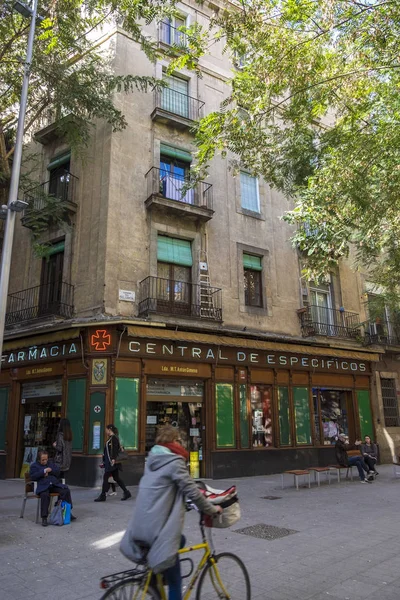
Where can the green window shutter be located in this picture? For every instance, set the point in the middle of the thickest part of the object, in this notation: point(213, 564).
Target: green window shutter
point(244, 417)
point(176, 153)
point(126, 411)
point(365, 414)
point(252, 262)
point(58, 161)
point(56, 249)
point(4, 391)
point(76, 411)
point(302, 415)
point(172, 250)
point(284, 416)
point(225, 415)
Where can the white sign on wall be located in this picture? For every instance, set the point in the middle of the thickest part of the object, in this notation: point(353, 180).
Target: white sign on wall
point(42, 389)
point(127, 295)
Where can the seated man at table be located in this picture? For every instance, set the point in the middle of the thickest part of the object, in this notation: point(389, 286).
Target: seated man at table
point(349, 461)
point(47, 476)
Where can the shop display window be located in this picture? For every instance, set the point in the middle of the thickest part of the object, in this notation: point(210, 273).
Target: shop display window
point(302, 415)
point(244, 417)
point(76, 401)
point(261, 409)
point(284, 416)
point(225, 424)
point(330, 415)
point(126, 411)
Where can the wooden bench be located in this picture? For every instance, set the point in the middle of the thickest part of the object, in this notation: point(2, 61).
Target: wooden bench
point(30, 492)
point(317, 474)
point(349, 469)
point(296, 474)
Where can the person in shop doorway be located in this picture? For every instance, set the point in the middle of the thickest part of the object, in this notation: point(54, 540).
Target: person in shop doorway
point(63, 446)
point(344, 460)
point(111, 466)
point(157, 523)
point(47, 475)
point(369, 452)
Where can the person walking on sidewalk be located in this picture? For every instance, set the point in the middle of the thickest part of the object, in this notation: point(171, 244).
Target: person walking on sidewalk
point(349, 461)
point(369, 452)
point(111, 466)
point(63, 446)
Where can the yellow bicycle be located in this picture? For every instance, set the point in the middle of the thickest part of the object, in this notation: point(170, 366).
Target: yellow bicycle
point(220, 577)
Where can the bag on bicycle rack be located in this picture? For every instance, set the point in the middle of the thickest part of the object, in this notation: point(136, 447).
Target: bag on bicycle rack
point(227, 499)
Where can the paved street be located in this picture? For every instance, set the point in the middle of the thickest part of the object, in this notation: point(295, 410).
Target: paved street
point(347, 544)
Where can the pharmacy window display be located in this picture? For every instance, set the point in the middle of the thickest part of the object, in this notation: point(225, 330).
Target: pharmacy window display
point(261, 410)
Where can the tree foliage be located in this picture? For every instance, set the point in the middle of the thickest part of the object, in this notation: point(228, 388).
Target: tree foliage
point(315, 109)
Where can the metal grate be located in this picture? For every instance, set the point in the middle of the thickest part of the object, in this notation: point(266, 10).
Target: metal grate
point(266, 532)
point(390, 403)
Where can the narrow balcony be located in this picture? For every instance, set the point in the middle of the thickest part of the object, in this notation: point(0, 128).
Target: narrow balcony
point(318, 320)
point(61, 187)
point(171, 36)
point(169, 193)
point(380, 331)
point(180, 299)
point(176, 107)
point(49, 300)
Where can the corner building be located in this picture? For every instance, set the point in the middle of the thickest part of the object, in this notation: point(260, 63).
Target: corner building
point(163, 305)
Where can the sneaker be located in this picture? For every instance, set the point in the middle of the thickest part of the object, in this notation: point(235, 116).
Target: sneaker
point(376, 473)
point(369, 479)
point(126, 496)
point(371, 472)
point(44, 522)
point(73, 518)
point(363, 481)
point(101, 498)
point(112, 494)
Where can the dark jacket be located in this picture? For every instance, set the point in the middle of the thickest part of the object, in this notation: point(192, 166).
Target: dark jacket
point(111, 450)
point(370, 449)
point(341, 454)
point(63, 452)
point(45, 483)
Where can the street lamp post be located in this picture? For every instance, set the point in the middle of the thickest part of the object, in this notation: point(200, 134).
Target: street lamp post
point(14, 205)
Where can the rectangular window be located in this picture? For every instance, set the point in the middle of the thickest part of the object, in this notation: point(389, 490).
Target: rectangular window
point(252, 269)
point(76, 411)
point(249, 192)
point(334, 417)
point(225, 425)
point(170, 33)
point(390, 403)
point(284, 416)
point(3, 416)
point(126, 411)
point(261, 409)
point(173, 250)
point(244, 416)
point(302, 415)
point(175, 97)
point(365, 414)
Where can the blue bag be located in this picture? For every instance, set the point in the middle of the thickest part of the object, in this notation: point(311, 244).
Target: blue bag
point(66, 512)
point(56, 517)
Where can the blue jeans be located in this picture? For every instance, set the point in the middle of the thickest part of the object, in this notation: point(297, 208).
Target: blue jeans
point(360, 464)
point(173, 577)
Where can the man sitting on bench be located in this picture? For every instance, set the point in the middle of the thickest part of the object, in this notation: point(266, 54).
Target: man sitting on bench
point(47, 476)
point(349, 461)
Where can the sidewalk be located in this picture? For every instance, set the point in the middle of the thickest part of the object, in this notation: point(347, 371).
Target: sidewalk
point(346, 545)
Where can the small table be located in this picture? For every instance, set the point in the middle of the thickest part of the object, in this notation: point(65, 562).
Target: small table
point(296, 474)
point(317, 474)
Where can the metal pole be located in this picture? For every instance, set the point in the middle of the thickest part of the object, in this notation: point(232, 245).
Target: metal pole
point(14, 183)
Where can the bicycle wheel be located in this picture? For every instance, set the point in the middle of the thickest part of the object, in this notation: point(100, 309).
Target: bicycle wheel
point(130, 590)
point(228, 579)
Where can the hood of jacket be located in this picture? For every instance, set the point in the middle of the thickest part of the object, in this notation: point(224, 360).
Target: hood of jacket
point(160, 457)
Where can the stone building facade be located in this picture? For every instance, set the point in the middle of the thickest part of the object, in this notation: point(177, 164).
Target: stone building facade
point(166, 304)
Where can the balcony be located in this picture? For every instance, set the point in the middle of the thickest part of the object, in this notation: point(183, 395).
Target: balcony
point(177, 108)
point(49, 300)
point(317, 320)
point(171, 36)
point(381, 332)
point(169, 193)
point(61, 187)
point(180, 299)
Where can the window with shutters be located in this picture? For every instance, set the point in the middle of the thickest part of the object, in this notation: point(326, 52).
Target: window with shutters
point(252, 269)
point(390, 403)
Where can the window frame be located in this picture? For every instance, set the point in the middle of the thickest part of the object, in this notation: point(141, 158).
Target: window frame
point(245, 208)
point(387, 417)
point(246, 292)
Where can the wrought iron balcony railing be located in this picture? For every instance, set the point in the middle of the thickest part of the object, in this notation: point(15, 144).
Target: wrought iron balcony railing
point(170, 186)
point(51, 299)
point(62, 187)
point(171, 36)
point(379, 331)
point(318, 320)
point(178, 103)
point(179, 298)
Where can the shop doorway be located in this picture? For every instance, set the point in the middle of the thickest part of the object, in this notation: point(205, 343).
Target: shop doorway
point(179, 403)
point(40, 414)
